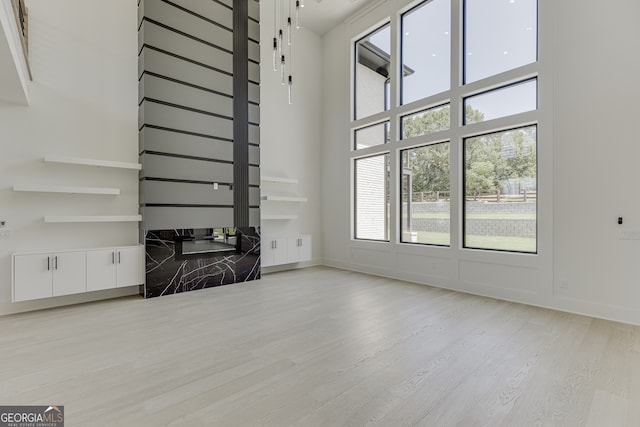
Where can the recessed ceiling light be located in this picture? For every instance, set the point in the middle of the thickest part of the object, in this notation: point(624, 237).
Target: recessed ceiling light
point(505, 52)
point(407, 33)
point(446, 33)
point(433, 54)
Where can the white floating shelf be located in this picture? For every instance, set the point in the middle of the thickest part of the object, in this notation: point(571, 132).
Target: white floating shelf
point(277, 217)
point(72, 190)
point(92, 162)
point(283, 198)
point(103, 218)
point(279, 179)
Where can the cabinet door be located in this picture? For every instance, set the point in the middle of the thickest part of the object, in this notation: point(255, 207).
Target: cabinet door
point(273, 251)
point(130, 263)
point(32, 277)
point(280, 252)
point(293, 250)
point(266, 251)
point(304, 249)
point(69, 273)
point(101, 269)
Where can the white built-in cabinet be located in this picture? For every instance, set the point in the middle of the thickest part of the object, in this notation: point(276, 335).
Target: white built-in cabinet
point(51, 274)
point(273, 251)
point(299, 248)
point(114, 268)
point(285, 250)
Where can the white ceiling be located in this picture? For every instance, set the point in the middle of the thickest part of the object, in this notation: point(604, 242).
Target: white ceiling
point(321, 16)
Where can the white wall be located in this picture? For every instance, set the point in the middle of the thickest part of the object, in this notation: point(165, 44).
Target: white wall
point(597, 148)
point(291, 135)
point(83, 103)
point(588, 174)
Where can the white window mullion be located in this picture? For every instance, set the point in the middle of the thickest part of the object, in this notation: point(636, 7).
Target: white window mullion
point(456, 151)
point(394, 183)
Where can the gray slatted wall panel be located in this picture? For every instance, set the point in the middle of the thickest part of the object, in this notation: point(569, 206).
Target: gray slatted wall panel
point(186, 114)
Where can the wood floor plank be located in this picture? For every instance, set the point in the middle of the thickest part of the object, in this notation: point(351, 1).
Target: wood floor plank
point(321, 347)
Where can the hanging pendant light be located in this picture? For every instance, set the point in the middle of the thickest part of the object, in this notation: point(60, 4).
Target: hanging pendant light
point(282, 53)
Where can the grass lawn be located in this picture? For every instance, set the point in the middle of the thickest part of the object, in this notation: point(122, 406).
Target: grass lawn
point(506, 243)
point(445, 215)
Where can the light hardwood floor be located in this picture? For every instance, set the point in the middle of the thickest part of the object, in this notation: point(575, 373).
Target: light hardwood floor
point(322, 347)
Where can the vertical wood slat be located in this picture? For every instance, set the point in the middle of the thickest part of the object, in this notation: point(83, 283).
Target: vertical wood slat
point(241, 113)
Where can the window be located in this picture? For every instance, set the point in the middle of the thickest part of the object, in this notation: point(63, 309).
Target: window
point(505, 101)
point(424, 126)
point(425, 213)
point(426, 50)
point(372, 197)
point(427, 121)
point(371, 135)
point(372, 73)
point(500, 209)
point(499, 35)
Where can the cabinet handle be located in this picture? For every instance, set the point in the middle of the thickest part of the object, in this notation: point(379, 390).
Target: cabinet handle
point(113, 257)
point(55, 262)
point(48, 263)
point(118, 257)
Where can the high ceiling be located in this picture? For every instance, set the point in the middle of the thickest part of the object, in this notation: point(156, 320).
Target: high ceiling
point(320, 16)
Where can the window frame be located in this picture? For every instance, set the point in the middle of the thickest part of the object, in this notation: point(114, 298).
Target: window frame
point(401, 168)
point(354, 67)
point(391, 15)
point(464, 192)
point(387, 192)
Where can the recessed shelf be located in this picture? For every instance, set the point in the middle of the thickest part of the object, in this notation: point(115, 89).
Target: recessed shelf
point(71, 190)
point(279, 179)
point(270, 217)
point(275, 198)
point(93, 218)
point(92, 162)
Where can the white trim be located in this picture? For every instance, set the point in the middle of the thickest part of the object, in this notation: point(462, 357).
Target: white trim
point(273, 217)
point(92, 162)
point(279, 179)
point(71, 190)
point(93, 218)
point(272, 197)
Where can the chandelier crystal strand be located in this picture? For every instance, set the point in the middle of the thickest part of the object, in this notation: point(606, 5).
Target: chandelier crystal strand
point(290, 79)
point(275, 54)
point(289, 24)
point(297, 14)
point(275, 39)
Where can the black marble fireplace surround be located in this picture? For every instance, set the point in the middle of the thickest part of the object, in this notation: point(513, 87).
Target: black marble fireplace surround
point(182, 260)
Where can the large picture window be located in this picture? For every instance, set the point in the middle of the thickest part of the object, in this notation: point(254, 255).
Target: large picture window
point(500, 176)
point(446, 108)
